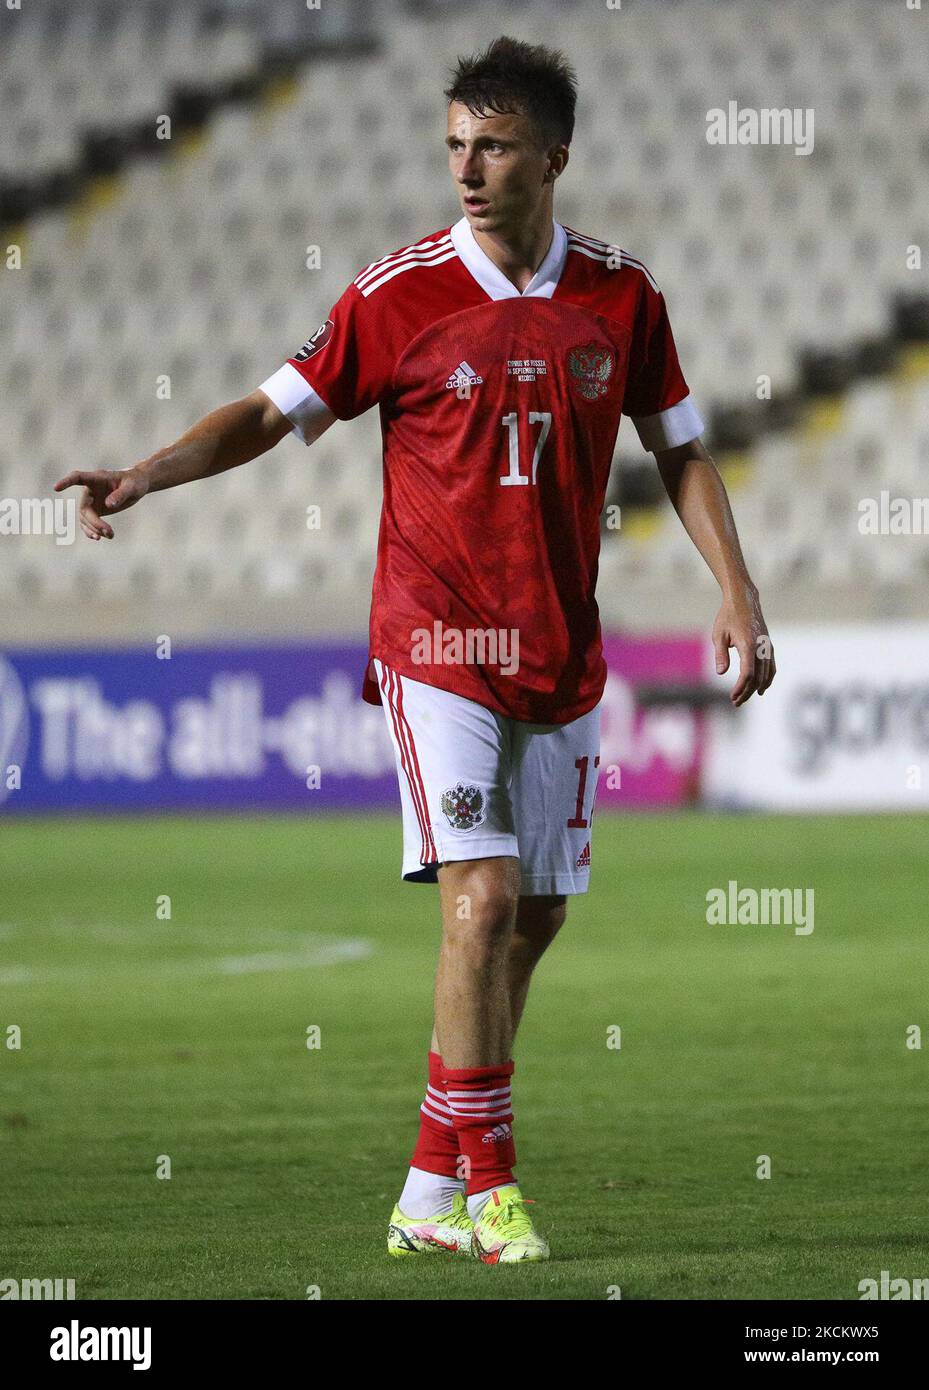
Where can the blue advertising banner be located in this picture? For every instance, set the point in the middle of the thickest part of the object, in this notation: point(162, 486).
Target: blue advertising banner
point(280, 727)
point(218, 728)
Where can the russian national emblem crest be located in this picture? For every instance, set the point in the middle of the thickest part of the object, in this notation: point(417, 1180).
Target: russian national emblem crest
point(591, 367)
point(463, 806)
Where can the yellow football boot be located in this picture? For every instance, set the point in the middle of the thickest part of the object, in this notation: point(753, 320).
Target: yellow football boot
point(450, 1232)
point(504, 1233)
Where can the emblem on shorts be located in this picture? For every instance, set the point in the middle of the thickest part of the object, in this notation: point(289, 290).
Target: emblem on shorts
point(463, 807)
point(591, 368)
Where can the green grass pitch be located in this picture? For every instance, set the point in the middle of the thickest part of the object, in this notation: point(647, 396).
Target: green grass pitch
point(187, 1037)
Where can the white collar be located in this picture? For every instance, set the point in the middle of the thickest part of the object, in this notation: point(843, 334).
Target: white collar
point(492, 279)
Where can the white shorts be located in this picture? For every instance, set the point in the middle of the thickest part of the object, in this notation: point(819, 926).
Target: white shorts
point(475, 784)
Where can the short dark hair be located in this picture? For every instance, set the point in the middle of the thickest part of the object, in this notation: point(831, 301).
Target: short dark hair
point(511, 77)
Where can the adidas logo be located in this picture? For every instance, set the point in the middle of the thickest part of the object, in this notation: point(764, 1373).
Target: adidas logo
point(463, 375)
point(583, 859)
point(497, 1135)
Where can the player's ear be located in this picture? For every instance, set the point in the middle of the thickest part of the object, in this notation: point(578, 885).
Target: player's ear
point(557, 159)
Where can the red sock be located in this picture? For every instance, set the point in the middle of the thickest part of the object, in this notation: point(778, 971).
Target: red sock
point(479, 1098)
point(437, 1148)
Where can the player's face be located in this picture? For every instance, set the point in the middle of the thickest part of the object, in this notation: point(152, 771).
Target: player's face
point(498, 167)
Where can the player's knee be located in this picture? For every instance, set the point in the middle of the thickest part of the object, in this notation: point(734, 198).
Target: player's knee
point(483, 908)
point(490, 915)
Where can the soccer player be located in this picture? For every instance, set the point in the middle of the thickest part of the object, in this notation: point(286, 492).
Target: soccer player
point(501, 352)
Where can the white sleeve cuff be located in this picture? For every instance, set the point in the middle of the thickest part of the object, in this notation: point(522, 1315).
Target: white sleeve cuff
point(294, 397)
point(678, 425)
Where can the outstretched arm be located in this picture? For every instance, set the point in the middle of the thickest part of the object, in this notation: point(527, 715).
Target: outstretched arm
point(699, 497)
point(232, 435)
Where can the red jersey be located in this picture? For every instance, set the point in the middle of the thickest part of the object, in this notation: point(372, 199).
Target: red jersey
point(499, 413)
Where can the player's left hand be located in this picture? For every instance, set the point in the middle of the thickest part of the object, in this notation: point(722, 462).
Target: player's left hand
point(740, 624)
